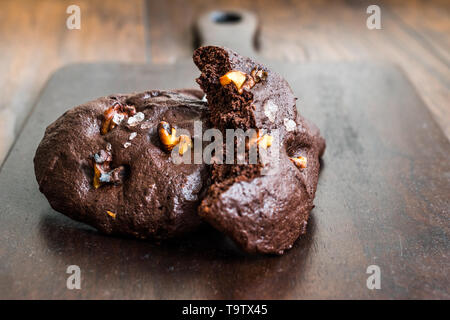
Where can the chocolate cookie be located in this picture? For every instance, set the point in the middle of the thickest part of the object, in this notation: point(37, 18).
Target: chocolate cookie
point(263, 207)
point(107, 163)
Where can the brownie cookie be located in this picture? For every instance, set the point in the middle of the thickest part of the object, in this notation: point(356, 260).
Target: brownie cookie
point(108, 163)
point(263, 207)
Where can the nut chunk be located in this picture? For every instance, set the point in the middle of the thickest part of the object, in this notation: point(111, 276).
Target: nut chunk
point(300, 162)
point(184, 143)
point(262, 140)
point(237, 77)
point(114, 115)
point(242, 80)
point(167, 135)
point(102, 171)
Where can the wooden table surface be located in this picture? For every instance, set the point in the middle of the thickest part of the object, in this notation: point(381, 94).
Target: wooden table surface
point(394, 216)
point(34, 41)
point(382, 201)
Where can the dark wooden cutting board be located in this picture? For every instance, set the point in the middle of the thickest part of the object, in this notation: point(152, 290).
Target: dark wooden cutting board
point(382, 199)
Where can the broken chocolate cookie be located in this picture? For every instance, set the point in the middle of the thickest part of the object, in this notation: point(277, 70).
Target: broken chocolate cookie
point(263, 207)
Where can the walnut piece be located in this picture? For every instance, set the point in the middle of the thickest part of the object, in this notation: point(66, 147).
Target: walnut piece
point(241, 80)
point(114, 115)
point(169, 139)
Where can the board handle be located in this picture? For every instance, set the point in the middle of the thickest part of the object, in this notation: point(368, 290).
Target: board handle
point(234, 29)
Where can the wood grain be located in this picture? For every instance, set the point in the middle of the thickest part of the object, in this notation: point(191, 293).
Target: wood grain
point(383, 192)
point(415, 35)
point(34, 42)
point(382, 200)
